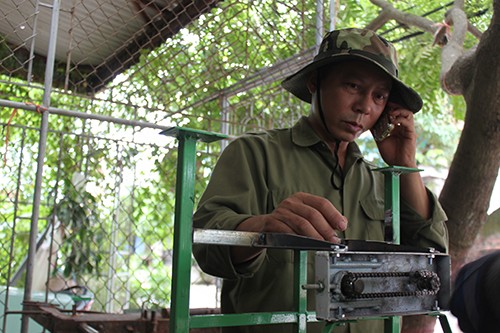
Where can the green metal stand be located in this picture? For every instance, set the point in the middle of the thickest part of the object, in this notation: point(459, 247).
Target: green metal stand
point(392, 206)
point(181, 320)
point(184, 204)
point(392, 209)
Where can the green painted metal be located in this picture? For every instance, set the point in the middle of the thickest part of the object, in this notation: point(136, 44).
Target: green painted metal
point(445, 325)
point(184, 132)
point(392, 324)
point(331, 325)
point(301, 317)
point(392, 209)
point(300, 294)
point(181, 320)
point(249, 319)
point(182, 229)
point(392, 205)
point(184, 204)
point(443, 321)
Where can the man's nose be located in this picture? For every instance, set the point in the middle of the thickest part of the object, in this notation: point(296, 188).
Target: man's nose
point(364, 104)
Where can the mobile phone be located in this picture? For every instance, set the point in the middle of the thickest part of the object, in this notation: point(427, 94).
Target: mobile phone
point(383, 127)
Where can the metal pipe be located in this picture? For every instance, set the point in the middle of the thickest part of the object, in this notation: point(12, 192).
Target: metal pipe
point(87, 328)
point(70, 46)
point(110, 286)
point(81, 115)
point(32, 47)
point(319, 22)
point(224, 120)
point(42, 145)
point(333, 14)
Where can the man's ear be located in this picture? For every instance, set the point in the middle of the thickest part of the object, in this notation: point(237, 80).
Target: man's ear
point(312, 82)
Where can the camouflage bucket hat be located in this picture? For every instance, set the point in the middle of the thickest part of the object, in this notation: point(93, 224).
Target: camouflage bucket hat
point(345, 44)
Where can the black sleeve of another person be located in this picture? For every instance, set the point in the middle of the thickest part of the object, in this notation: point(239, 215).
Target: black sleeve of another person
point(475, 300)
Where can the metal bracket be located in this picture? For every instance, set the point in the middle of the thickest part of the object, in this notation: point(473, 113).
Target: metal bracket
point(391, 200)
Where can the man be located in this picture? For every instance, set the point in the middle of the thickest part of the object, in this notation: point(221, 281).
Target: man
point(312, 180)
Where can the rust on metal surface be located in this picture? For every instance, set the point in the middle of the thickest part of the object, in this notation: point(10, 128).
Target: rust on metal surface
point(147, 321)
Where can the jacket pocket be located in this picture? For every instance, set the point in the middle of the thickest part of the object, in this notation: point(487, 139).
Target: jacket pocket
point(373, 208)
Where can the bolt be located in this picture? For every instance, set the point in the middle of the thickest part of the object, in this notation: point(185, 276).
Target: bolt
point(313, 286)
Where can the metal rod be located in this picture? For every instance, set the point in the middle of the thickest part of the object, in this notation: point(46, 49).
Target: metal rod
point(224, 120)
point(33, 41)
point(115, 227)
point(319, 22)
point(392, 203)
point(300, 294)
point(81, 115)
point(392, 222)
point(181, 263)
point(183, 228)
point(69, 53)
point(42, 145)
point(225, 237)
point(333, 14)
point(87, 328)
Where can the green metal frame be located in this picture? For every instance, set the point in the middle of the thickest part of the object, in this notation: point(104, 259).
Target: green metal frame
point(392, 208)
point(184, 205)
point(392, 204)
point(181, 320)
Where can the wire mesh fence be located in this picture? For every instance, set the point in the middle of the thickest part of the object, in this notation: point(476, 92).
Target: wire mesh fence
point(141, 60)
point(106, 220)
point(122, 71)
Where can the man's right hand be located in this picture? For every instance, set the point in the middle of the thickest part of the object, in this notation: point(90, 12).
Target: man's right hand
point(301, 214)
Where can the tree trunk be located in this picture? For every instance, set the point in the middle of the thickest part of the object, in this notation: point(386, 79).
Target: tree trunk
point(467, 190)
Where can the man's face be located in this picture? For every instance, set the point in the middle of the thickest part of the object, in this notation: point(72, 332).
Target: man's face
point(353, 95)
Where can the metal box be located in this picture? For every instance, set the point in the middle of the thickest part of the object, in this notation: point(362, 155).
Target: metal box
point(355, 285)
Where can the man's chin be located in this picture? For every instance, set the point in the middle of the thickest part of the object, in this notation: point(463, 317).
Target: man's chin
point(350, 137)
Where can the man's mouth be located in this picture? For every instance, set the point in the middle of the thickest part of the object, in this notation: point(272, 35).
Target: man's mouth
point(354, 126)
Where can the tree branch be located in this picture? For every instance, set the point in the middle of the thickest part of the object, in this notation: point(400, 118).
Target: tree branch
point(455, 69)
point(459, 76)
point(380, 20)
point(453, 50)
point(474, 31)
point(403, 18)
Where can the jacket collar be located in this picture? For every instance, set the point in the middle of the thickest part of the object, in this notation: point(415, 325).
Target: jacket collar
point(303, 135)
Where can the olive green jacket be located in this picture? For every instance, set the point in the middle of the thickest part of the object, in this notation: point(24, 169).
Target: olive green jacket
point(254, 174)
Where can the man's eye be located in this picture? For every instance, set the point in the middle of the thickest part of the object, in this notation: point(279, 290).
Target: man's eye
point(381, 97)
